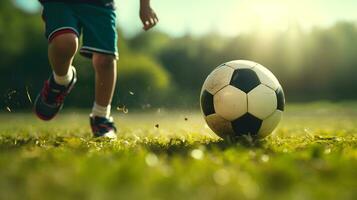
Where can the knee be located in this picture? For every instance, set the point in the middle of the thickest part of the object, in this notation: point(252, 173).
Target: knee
point(102, 61)
point(65, 45)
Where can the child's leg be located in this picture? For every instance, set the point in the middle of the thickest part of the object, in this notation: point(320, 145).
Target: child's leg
point(62, 32)
point(61, 51)
point(100, 44)
point(105, 80)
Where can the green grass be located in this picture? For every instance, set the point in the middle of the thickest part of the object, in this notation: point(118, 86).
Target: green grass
point(312, 155)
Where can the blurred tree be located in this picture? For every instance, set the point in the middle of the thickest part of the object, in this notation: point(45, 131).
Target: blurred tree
point(23, 54)
point(158, 70)
point(24, 66)
point(141, 81)
point(150, 43)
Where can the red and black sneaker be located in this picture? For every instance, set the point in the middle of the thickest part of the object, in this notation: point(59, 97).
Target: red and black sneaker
point(50, 100)
point(103, 127)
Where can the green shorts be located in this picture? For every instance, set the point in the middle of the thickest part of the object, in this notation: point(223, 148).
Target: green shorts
point(98, 25)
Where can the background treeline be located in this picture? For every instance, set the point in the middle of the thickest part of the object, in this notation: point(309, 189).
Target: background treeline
point(156, 70)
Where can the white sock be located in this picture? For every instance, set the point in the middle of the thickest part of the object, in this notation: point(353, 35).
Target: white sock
point(64, 80)
point(101, 111)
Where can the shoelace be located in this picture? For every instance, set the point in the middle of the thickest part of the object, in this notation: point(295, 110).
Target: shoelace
point(59, 98)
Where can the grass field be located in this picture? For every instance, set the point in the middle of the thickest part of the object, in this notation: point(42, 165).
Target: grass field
point(173, 155)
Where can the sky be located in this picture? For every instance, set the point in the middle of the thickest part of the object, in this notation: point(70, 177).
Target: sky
point(230, 17)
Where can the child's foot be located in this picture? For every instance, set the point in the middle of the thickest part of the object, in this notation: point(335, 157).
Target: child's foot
point(50, 100)
point(103, 127)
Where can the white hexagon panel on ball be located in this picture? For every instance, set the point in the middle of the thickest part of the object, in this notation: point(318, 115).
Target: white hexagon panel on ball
point(241, 64)
point(220, 126)
point(266, 77)
point(270, 123)
point(218, 79)
point(262, 101)
point(230, 103)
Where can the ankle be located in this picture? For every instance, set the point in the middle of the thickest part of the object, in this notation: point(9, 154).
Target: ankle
point(101, 111)
point(64, 80)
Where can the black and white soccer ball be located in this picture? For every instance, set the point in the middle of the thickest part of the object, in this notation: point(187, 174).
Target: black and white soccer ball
point(242, 98)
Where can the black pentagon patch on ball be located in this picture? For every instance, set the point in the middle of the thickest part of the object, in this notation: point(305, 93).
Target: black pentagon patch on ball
point(245, 79)
point(281, 99)
point(207, 103)
point(247, 124)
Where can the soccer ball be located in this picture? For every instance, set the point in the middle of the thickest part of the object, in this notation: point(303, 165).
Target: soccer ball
point(242, 98)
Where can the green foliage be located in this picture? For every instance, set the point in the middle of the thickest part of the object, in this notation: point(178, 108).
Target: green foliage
point(294, 57)
point(141, 80)
point(24, 66)
point(169, 71)
point(150, 43)
point(313, 155)
point(23, 56)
